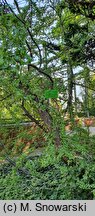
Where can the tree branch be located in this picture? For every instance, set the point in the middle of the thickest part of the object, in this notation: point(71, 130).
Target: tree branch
point(35, 45)
point(24, 23)
point(53, 46)
point(29, 48)
point(6, 97)
point(82, 85)
point(17, 6)
point(31, 117)
point(42, 72)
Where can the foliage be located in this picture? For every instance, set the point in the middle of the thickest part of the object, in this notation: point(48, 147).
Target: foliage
point(53, 181)
point(68, 173)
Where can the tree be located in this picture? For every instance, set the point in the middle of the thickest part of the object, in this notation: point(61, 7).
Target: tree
point(46, 42)
point(26, 80)
point(76, 46)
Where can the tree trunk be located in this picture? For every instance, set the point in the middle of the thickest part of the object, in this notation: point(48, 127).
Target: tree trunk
point(70, 90)
point(57, 137)
point(75, 99)
point(46, 118)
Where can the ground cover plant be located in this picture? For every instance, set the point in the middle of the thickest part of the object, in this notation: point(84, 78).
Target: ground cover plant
point(68, 173)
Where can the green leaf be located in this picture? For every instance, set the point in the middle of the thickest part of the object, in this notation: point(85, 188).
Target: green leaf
point(51, 93)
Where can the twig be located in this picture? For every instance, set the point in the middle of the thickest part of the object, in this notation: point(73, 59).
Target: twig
point(24, 23)
point(31, 117)
point(42, 72)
